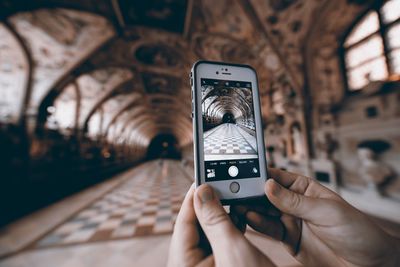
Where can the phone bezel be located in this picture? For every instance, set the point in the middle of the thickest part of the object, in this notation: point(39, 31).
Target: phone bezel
point(250, 187)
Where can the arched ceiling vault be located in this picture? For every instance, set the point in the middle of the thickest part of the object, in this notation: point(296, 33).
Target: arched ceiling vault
point(15, 75)
point(113, 94)
point(134, 105)
point(57, 45)
point(92, 43)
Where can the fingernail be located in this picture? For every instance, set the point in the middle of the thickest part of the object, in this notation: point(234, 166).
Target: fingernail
point(275, 188)
point(206, 195)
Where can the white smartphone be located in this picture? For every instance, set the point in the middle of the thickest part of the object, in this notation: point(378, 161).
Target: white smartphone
point(227, 130)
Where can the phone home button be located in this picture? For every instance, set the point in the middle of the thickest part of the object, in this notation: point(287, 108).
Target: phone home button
point(234, 187)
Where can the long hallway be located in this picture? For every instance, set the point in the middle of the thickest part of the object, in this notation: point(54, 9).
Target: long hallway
point(87, 228)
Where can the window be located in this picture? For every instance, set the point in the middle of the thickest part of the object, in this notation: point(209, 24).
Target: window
point(372, 47)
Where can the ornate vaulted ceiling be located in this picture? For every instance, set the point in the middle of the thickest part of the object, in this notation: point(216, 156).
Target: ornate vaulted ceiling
point(117, 69)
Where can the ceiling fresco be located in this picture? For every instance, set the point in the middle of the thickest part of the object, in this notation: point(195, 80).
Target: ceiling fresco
point(158, 83)
point(167, 15)
point(54, 51)
point(287, 23)
point(13, 76)
point(94, 89)
point(109, 107)
point(226, 17)
point(159, 54)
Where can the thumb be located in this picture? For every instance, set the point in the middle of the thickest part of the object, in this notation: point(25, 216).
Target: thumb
point(213, 219)
point(291, 202)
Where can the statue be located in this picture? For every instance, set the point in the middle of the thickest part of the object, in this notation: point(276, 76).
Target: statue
point(326, 145)
point(270, 154)
point(372, 171)
point(297, 142)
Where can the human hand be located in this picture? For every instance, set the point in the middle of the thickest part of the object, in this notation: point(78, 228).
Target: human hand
point(317, 226)
point(202, 211)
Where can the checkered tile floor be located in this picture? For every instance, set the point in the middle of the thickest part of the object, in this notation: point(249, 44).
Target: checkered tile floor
point(147, 204)
point(227, 139)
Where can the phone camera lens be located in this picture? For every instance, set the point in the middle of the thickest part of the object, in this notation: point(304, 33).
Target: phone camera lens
point(217, 72)
point(226, 69)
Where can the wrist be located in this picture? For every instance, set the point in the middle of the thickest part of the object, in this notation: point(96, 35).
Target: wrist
point(393, 258)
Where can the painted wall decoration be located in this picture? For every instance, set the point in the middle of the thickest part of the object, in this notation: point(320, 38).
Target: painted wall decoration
point(13, 77)
point(168, 15)
point(109, 108)
point(97, 85)
point(57, 52)
point(156, 83)
point(287, 24)
point(158, 54)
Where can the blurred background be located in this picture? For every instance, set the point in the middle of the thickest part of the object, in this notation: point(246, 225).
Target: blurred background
point(95, 128)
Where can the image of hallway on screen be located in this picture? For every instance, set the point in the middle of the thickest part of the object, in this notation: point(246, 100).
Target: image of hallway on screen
point(228, 120)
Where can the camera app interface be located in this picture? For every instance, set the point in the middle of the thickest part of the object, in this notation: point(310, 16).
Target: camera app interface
point(229, 131)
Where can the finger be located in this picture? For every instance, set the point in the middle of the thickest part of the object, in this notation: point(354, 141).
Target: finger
point(259, 205)
point(291, 202)
point(213, 219)
point(284, 229)
point(238, 220)
point(207, 262)
point(282, 177)
point(292, 234)
point(240, 210)
point(269, 210)
point(186, 213)
point(186, 231)
point(268, 226)
point(300, 184)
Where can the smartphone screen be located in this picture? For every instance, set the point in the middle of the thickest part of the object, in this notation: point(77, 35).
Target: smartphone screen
point(229, 130)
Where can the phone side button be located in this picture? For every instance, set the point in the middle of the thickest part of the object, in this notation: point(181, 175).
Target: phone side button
point(234, 187)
